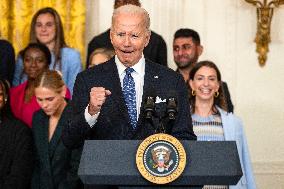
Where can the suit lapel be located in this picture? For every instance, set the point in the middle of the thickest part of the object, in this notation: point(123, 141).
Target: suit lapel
point(53, 144)
point(42, 139)
point(227, 126)
point(151, 81)
point(113, 82)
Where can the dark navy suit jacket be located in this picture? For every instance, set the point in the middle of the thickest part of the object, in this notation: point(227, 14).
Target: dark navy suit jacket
point(113, 122)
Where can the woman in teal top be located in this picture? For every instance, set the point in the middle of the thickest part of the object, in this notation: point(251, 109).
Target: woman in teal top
point(212, 122)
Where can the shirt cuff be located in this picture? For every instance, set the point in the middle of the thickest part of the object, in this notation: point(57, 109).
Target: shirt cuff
point(91, 119)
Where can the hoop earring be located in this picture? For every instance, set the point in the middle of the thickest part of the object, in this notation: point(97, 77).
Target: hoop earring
point(193, 93)
point(216, 94)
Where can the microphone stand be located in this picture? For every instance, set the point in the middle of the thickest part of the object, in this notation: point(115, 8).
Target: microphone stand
point(160, 126)
point(166, 116)
point(159, 115)
point(160, 119)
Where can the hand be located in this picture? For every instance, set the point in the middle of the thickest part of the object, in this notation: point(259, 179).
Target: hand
point(97, 99)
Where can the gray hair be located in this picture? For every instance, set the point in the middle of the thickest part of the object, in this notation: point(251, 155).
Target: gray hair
point(133, 10)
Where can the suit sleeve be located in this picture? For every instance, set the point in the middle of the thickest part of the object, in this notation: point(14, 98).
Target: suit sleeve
point(75, 67)
point(19, 67)
point(22, 167)
point(91, 48)
point(182, 128)
point(76, 129)
point(35, 182)
point(7, 61)
point(229, 102)
point(162, 52)
point(248, 178)
point(72, 180)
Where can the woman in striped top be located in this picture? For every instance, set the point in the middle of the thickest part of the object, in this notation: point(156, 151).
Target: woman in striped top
point(212, 122)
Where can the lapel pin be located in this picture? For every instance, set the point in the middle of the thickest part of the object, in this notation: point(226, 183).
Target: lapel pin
point(156, 77)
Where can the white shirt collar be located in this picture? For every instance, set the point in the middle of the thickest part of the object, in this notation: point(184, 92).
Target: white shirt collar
point(139, 67)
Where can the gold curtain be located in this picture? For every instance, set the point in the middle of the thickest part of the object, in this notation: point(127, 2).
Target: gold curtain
point(16, 16)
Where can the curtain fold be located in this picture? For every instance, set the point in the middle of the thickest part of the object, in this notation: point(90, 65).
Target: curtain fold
point(16, 16)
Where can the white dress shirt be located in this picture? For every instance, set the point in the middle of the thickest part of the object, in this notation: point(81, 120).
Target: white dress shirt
point(138, 76)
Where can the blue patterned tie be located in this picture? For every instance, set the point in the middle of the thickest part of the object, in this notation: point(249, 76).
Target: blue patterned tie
point(130, 96)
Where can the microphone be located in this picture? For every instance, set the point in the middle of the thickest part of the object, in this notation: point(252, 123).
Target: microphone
point(149, 106)
point(172, 106)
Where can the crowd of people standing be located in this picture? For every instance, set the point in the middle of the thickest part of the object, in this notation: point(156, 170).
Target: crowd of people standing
point(49, 105)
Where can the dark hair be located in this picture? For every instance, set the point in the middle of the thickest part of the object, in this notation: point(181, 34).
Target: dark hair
point(5, 111)
point(119, 3)
point(220, 99)
point(59, 37)
point(40, 47)
point(186, 32)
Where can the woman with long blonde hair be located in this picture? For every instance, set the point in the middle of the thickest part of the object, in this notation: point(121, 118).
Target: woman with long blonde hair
point(56, 166)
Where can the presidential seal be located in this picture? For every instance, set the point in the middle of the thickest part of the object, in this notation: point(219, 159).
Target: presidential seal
point(160, 158)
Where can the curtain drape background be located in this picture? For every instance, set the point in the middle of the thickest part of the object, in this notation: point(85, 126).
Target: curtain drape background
point(16, 16)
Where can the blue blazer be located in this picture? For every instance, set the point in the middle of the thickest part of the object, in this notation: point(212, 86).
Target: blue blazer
point(113, 122)
point(233, 131)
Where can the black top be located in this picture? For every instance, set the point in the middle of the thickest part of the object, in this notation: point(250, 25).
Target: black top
point(16, 154)
point(7, 60)
point(156, 50)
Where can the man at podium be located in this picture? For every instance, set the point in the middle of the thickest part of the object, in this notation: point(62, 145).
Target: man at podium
point(109, 99)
